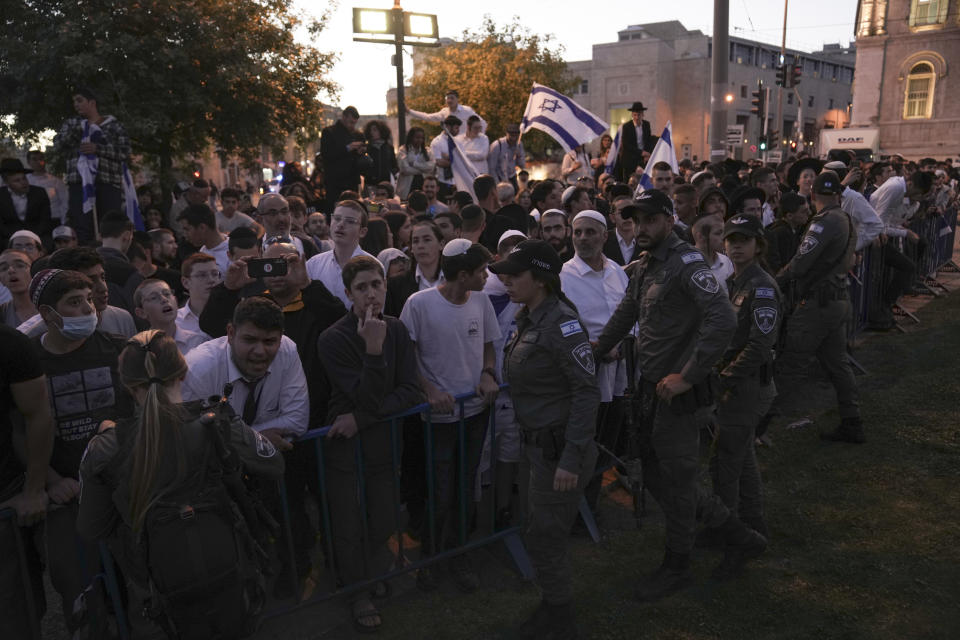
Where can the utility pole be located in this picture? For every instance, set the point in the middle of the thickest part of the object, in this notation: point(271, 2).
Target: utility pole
point(397, 15)
point(719, 80)
point(783, 61)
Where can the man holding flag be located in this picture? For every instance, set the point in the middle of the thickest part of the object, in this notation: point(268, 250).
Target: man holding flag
point(455, 172)
point(663, 158)
point(97, 151)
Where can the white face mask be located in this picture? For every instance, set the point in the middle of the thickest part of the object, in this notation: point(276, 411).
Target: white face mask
point(79, 327)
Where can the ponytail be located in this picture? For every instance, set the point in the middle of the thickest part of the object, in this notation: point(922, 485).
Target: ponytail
point(551, 284)
point(152, 361)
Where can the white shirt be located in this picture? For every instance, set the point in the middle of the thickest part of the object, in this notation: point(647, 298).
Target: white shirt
point(450, 342)
point(423, 283)
point(463, 112)
point(889, 201)
point(238, 219)
point(187, 320)
point(220, 253)
point(112, 320)
point(56, 191)
point(722, 269)
point(19, 204)
point(768, 215)
point(325, 268)
point(865, 218)
point(597, 295)
point(626, 250)
point(570, 174)
point(476, 149)
point(283, 404)
point(187, 340)
point(5, 295)
point(439, 147)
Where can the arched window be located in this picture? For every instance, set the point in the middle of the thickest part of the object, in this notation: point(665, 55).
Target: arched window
point(918, 101)
point(928, 13)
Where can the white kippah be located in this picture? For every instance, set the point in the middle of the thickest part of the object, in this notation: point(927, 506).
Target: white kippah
point(567, 193)
point(510, 233)
point(836, 164)
point(593, 215)
point(550, 212)
point(456, 247)
point(390, 254)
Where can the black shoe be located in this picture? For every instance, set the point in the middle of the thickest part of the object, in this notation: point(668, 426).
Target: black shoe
point(672, 576)
point(742, 544)
point(709, 539)
point(464, 576)
point(758, 525)
point(849, 430)
point(504, 518)
point(427, 579)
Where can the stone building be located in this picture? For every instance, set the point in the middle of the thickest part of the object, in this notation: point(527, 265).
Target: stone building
point(907, 85)
point(667, 67)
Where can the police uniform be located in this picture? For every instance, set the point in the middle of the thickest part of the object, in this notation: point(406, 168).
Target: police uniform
point(550, 368)
point(746, 382)
point(685, 322)
point(818, 325)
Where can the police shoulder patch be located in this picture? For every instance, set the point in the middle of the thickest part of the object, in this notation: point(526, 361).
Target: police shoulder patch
point(693, 256)
point(765, 292)
point(265, 448)
point(570, 328)
point(766, 319)
point(816, 228)
point(705, 279)
point(809, 244)
point(583, 354)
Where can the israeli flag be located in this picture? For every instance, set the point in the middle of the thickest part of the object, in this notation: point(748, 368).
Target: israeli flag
point(662, 152)
point(561, 118)
point(611, 160)
point(87, 165)
point(131, 204)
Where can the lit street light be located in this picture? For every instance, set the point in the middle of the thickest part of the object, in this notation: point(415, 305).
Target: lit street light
point(385, 26)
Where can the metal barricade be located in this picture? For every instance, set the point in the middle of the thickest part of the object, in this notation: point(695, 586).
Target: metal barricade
point(510, 536)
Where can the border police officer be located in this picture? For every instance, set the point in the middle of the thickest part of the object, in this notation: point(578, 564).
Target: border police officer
point(685, 322)
point(818, 326)
point(552, 375)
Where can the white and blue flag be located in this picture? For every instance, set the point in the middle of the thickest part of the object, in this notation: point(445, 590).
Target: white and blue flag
point(561, 118)
point(612, 154)
point(662, 152)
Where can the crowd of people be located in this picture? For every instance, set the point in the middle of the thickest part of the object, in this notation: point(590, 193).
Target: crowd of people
point(396, 277)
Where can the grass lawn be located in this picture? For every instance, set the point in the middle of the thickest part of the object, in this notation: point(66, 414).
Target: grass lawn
point(865, 540)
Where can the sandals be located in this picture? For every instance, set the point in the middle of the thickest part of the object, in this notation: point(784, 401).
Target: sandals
point(364, 613)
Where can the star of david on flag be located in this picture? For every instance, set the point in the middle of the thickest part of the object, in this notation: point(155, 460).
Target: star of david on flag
point(662, 152)
point(561, 118)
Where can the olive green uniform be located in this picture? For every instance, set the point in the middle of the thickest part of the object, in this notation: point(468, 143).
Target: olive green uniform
point(685, 323)
point(746, 375)
point(552, 376)
point(818, 325)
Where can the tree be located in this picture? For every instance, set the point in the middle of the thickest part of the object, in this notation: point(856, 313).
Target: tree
point(493, 69)
point(180, 76)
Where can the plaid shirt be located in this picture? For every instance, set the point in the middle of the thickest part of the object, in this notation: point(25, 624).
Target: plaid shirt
point(112, 155)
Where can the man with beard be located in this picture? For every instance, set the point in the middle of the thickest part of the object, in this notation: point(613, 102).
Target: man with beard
point(554, 229)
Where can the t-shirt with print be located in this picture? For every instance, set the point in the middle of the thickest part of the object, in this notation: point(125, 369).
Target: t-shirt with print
point(450, 339)
point(18, 363)
point(85, 389)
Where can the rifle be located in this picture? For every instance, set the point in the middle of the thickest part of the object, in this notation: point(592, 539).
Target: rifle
point(633, 465)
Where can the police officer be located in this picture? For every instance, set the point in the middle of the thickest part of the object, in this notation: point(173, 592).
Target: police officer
point(818, 325)
point(550, 368)
point(746, 371)
point(685, 323)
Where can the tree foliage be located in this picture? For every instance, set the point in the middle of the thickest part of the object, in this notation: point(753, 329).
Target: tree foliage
point(493, 68)
point(179, 75)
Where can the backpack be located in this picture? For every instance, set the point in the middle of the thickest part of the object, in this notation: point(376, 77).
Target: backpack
point(206, 569)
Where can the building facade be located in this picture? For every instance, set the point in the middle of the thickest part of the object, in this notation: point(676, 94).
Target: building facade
point(907, 84)
point(667, 67)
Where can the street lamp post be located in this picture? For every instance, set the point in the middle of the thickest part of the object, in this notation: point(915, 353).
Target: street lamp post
point(399, 27)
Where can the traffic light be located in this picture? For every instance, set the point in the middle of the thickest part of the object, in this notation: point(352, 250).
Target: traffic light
point(763, 143)
point(795, 72)
point(759, 101)
point(772, 138)
point(782, 76)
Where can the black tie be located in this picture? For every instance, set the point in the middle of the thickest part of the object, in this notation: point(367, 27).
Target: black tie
point(250, 404)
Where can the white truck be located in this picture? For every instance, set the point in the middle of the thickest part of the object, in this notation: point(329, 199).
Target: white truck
point(865, 142)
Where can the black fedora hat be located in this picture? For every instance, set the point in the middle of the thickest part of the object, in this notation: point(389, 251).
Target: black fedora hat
point(637, 106)
point(13, 165)
point(797, 168)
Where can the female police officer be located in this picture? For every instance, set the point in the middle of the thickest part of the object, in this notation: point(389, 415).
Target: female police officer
point(150, 487)
point(550, 369)
point(746, 371)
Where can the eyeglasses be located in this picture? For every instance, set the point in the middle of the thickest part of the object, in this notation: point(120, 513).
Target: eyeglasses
point(350, 222)
point(24, 246)
point(159, 296)
point(14, 264)
point(209, 275)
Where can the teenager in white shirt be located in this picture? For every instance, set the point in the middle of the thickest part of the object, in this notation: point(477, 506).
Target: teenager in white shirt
point(454, 327)
point(347, 225)
point(156, 303)
point(200, 229)
point(199, 274)
point(708, 237)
